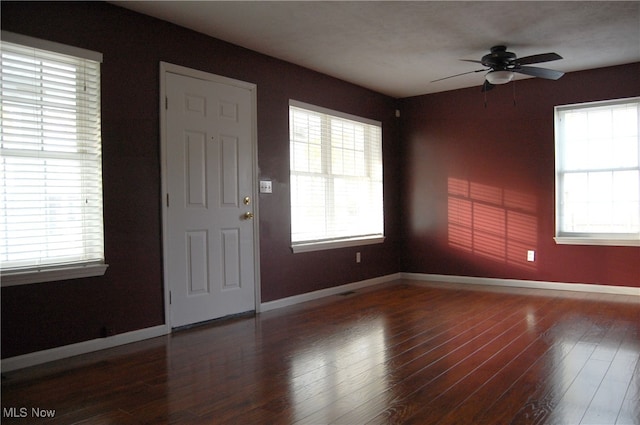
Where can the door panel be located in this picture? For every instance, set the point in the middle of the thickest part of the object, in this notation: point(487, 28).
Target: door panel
point(209, 168)
point(231, 255)
point(198, 266)
point(195, 152)
point(229, 166)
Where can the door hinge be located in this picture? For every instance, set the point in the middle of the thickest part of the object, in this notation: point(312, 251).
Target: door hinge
point(166, 102)
point(169, 297)
point(167, 200)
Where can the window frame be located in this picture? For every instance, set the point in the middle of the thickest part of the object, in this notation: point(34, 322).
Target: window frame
point(338, 242)
point(56, 271)
point(587, 238)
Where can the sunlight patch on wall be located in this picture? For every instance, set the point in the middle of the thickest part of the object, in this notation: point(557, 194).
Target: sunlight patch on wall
point(492, 222)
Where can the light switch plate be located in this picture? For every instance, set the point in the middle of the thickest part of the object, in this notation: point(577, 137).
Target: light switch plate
point(265, 186)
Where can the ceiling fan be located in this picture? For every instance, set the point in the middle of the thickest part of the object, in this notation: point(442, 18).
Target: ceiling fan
point(501, 66)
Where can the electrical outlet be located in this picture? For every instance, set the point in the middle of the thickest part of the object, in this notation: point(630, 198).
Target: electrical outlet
point(531, 255)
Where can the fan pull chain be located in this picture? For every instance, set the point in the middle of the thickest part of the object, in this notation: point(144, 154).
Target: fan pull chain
point(514, 93)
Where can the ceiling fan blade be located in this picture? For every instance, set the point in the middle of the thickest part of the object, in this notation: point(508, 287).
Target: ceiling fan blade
point(487, 86)
point(542, 57)
point(457, 75)
point(470, 60)
point(549, 74)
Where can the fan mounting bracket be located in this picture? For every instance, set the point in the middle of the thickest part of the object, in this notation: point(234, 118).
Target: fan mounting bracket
point(499, 59)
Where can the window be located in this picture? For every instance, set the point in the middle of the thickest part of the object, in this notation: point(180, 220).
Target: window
point(336, 179)
point(598, 173)
point(50, 162)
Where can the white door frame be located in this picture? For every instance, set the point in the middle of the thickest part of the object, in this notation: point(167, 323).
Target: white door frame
point(165, 68)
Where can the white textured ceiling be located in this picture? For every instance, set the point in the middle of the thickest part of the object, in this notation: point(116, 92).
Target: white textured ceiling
point(398, 47)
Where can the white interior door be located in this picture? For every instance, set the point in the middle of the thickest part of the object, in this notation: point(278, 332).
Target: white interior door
point(209, 225)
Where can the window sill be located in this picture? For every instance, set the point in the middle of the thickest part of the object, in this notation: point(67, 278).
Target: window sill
point(26, 277)
point(564, 240)
point(343, 243)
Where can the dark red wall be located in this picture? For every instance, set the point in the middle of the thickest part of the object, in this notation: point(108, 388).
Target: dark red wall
point(130, 295)
point(498, 161)
point(505, 151)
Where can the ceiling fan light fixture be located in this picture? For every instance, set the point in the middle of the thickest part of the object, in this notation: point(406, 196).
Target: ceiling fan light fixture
point(499, 77)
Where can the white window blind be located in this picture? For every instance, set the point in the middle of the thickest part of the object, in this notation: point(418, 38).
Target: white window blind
point(336, 178)
point(51, 160)
point(598, 173)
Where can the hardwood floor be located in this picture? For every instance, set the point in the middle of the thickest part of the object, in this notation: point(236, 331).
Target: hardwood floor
point(407, 353)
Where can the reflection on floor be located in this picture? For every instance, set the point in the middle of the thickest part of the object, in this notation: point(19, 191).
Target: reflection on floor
point(406, 352)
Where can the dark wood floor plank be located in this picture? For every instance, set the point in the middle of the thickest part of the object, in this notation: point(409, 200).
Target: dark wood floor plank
point(571, 407)
point(607, 401)
point(547, 382)
point(498, 379)
point(435, 379)
point(543, 384)
point(410, 353)
point(410, 366)
point(487, 379)
point(630, 410)
point(431, 407)
point(353, 385)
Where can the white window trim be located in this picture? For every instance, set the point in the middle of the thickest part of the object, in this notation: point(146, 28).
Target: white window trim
point(76, 271)
point(52, 46)
point(569, 240)
point(342, 243)
point(563, 238)
point(58, 272)
point(321, 245)
point(334, 113)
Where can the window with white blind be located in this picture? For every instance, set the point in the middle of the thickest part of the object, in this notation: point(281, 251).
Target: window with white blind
point(51, 224)
point(598, 173)
point(336, 179)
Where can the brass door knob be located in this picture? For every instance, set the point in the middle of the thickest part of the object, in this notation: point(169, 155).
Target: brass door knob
point(248, 215)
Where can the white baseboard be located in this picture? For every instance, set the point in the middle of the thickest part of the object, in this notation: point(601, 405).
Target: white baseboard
point(531, 284)
point(310, 296)
point(39, 357)
point(45, 356)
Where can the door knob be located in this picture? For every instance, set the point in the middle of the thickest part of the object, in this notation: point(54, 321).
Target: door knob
point(248, 215)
